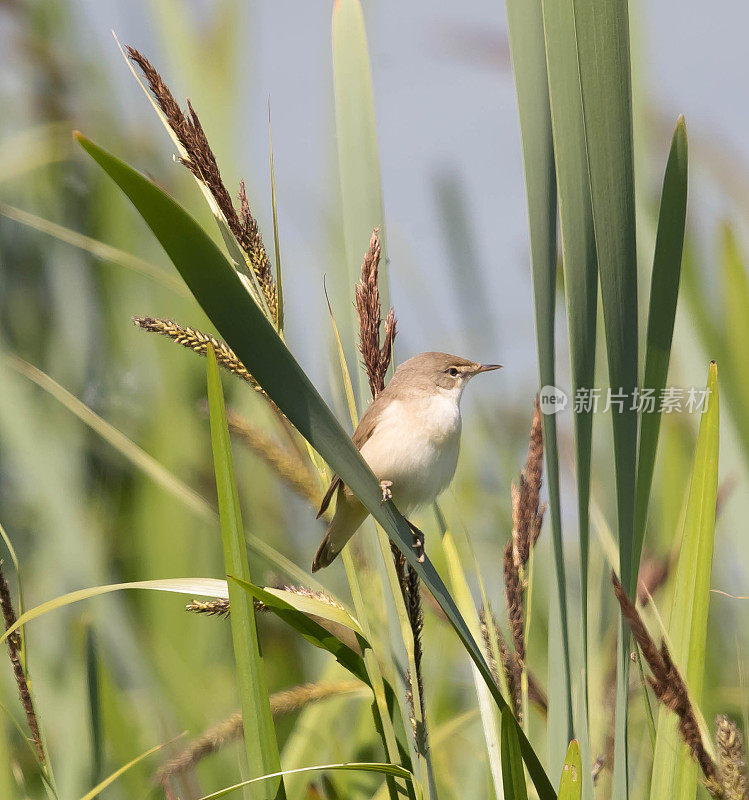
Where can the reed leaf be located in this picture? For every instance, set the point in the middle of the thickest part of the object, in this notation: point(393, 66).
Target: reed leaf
point(674, 770)
point(525, 24)
point(580, 274)
point(571, 784)
point(358, 158)
point(602, 34)
point(664, 291)
point(218, 289)
point(260, 739)
point(513, 777)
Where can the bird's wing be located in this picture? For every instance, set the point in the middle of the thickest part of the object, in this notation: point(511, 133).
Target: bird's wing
point(363, 432)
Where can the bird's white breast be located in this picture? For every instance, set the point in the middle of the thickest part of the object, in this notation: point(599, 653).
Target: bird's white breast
point(415, 445)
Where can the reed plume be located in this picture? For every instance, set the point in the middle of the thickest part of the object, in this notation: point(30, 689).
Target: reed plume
point(201, 162)
point(527, 518)
point(14, 651)
point(230, 729)
point(731, 759)
point(670, 688)
point(286, 463)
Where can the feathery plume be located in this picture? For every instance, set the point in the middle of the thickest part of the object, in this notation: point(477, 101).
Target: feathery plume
point(215, 608)
point(230, 729)
point(287, 464)
point(367, 293)
point(201, 161)
point(14, 651)
point(731, 759)
point(527, 518)
point(669, 687)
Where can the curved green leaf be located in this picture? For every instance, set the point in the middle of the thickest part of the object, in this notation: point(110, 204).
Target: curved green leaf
point(337, 639)
point(205, 587)
point(384, 769)
point(218, 289)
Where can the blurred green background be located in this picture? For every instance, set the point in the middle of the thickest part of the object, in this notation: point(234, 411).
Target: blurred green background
point(80, 514)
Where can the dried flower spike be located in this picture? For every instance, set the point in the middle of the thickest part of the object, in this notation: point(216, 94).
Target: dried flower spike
point(201, 161)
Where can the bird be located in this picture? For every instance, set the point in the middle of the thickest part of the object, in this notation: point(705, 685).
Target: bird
point(410, 438)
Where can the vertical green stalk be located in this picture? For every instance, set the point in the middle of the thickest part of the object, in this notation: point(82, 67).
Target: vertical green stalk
point(358, 158)
point(602, 31)
point(580, 273)
point(525, 23)
point(260, 736)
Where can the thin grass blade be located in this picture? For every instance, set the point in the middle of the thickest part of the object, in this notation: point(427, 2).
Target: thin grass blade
point(260, 734)
point(97, 790)
point(358, 158)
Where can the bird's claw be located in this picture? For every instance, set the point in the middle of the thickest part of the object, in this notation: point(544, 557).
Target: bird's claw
point(418, 544)
point(387, 494)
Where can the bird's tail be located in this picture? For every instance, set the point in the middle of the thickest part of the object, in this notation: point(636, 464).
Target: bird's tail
point(349, 515)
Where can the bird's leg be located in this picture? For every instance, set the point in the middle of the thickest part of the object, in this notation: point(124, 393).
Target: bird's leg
point(418, 544)
point(386, 492)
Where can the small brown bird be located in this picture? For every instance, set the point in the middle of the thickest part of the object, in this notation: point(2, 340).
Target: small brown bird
point(410, 438)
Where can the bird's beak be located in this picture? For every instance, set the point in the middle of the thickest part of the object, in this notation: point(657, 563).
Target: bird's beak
point(487, 368)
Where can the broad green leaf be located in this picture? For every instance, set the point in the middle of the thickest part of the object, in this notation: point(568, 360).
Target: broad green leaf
point(513, 777)
point(358, 159)
point(580, 273)
point(602, 34)
point(204, 587)
point(217, 288)
point(463, 598)
point(525, 26)
point(674, 770)
point(259, 734)
point(384, 769)
point(347, 649)
point(99, 788)
point(571, 784)
point(664, 291)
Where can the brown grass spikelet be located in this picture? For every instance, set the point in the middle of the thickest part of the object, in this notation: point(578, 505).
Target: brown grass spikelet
point(527, 515)
point(286, 463)
point(669, 687)
point(527, 518)
point(198, 342)
point(367, 299)
point(201, 161)
point(731, 759)
point(230, 729)
point(218, 607)
point(14, 651)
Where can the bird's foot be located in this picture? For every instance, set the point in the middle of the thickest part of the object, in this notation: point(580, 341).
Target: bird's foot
point(418, 544)
point(386, 492)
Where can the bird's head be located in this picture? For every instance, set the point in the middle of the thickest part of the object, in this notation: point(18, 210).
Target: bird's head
point(440, 372)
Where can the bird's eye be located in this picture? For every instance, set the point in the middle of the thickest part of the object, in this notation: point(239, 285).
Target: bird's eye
point(452, 371)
